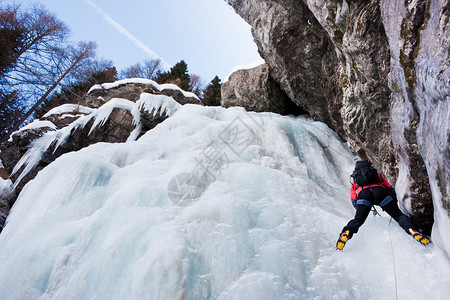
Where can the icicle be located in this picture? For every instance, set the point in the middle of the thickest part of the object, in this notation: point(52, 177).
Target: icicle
point(69, 108)
point(136, 113)
point(102, 113)
point(154, 103)
point(39, 146)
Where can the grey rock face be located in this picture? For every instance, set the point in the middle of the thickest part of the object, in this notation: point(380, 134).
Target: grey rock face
point(255, 90)
point(332, 61)
point(419, 39)
point(374, 71)
point(300, 54)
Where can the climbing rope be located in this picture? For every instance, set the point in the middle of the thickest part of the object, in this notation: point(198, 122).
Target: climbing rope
point(374, 210)
point(393, 260)
point(328, 140)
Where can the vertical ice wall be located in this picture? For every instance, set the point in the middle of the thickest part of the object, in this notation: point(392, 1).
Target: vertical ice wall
point(212, 203)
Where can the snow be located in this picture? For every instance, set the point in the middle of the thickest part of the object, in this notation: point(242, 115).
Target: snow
point(35, 125)
point(159, 87)
point(57, 110)
point(245, 67)
point(154, 103)
point(69, 108)
point(212, 203)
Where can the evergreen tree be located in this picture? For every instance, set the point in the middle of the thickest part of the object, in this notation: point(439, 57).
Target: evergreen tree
point(178, 75)
point(10, 112)
point(12, 35)
point(212, 95)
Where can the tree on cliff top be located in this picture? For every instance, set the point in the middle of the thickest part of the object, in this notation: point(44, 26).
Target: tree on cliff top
point(178, 75)
point(97, 73)
point(197, 85)
point(212, 95)
point(148, 69)
point(12, 38)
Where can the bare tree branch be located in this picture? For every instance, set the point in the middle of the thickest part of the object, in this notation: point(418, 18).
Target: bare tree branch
point(85, 50)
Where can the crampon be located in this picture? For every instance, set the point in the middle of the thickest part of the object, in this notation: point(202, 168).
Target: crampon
point(421, 238)
point(343, 238)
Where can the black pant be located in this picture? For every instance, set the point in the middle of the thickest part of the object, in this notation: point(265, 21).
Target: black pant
point(376, 196)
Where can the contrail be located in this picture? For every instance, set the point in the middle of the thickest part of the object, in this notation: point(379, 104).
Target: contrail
point(128, 35)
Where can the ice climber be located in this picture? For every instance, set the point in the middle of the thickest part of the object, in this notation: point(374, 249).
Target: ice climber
point(370, 188)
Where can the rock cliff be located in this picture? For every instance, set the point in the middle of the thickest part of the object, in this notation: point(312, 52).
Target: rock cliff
point(377, 73)
point(112, 112)
point(255, 90)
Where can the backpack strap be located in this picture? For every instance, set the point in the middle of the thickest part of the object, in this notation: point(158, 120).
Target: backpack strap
point(382, 182)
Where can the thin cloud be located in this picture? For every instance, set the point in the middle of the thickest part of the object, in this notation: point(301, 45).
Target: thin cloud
point(127, 34)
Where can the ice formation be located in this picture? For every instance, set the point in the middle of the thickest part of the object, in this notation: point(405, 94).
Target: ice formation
point(212, 203)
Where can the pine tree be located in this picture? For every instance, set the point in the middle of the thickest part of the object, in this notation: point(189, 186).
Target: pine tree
point(10, 112)
point(178, 75)
point(12, 35)
point(212, 95)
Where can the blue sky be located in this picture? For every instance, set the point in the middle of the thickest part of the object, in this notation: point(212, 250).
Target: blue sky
point(207, 34)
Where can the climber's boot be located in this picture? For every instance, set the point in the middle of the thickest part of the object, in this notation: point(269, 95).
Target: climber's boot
point(421, 238)
point(343, 238)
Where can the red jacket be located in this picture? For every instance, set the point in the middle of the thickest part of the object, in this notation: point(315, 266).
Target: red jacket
point(356, 189)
